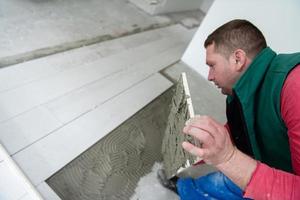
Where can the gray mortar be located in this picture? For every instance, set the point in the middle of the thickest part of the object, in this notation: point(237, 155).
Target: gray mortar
point(111, 168)
point(174, 156)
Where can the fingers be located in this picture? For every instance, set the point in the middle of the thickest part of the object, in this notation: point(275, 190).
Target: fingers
point(214, 137)
point(205, 123)
point(192, 149)
point(203, 136)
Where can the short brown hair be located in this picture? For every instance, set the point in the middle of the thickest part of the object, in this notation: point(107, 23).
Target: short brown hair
point(237, 34)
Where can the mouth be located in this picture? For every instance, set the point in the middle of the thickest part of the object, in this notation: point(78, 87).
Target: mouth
point(217, 85)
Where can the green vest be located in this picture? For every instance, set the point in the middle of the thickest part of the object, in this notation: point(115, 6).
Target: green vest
point(257, 94)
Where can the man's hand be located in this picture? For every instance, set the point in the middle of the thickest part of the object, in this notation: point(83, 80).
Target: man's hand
point(216, 147)
point(218, 150)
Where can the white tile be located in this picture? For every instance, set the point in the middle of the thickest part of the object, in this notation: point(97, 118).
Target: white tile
point(86, 99)
point(2, 156)
point(34, 124)
point(47, 192)
point(17, 101)
point(42, 91)
point(25, 129)
point(50, 154)
point(24, 73)
point(11, 187)
point(26, 197)
point(3, 153)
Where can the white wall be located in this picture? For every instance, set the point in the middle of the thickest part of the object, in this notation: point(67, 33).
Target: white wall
point(277, 19)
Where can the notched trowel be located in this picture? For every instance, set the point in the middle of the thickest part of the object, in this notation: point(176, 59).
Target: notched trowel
point(178, 162)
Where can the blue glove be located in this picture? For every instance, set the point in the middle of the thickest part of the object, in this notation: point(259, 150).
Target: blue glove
point(214, 186)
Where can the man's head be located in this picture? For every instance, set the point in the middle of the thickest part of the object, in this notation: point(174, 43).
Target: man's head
point(230, 50)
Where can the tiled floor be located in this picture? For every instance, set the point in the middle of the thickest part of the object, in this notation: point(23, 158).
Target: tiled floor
point(57, 108)
point(54, 108)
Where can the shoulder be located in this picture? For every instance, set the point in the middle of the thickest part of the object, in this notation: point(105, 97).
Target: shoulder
point(292, 80)
point(290, 96)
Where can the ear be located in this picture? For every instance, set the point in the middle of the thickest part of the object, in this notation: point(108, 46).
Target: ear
point(240, 59)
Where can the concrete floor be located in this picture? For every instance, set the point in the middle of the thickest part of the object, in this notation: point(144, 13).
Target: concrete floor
point(36, 28)
point(34, 24)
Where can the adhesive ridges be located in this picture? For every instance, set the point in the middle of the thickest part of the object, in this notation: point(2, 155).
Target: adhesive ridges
point(174, 155)
point(111, 168)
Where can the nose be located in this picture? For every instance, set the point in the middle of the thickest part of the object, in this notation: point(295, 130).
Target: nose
point(210, 76)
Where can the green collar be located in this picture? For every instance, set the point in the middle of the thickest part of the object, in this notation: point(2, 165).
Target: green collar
point(247, 85)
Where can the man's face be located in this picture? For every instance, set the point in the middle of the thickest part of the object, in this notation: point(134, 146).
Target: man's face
point(221, 70)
